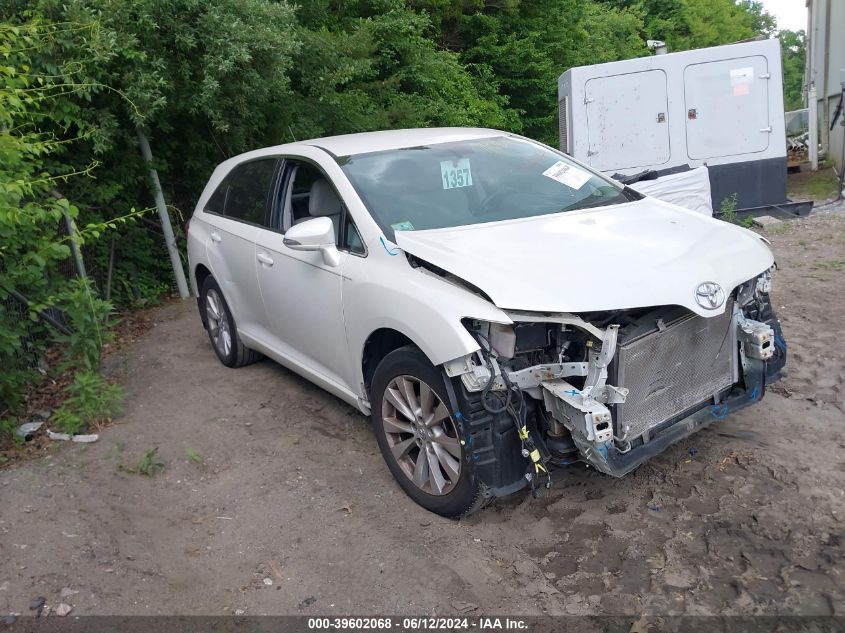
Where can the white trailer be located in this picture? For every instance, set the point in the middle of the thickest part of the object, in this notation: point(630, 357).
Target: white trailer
point(721, 107)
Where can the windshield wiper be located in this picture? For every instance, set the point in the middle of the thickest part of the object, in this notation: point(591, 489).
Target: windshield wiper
point(617, 199)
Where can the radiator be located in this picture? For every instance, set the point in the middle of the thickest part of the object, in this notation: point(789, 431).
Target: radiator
point(672, 370)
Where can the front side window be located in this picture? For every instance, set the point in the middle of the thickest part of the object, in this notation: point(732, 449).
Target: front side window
point(307, 193)
point(296, 194)
point(473, 182)
point(243, 194)
point(351, 238)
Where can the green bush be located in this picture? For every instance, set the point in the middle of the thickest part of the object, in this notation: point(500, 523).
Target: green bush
point(728, 212)
point(40, 120)
point(87, 317)
point(90, 399)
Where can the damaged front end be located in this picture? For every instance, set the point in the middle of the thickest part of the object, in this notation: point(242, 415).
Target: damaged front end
point(611, 389)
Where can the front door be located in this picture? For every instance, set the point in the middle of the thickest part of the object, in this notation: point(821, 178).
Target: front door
point(301, 293)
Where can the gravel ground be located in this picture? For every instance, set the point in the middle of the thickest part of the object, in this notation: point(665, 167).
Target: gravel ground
point(273, 498)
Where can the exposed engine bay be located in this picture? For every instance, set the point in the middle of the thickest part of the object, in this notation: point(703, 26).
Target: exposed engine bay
point(615, 388)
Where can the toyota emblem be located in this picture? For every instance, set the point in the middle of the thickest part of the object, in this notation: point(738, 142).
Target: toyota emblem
point(709, 295)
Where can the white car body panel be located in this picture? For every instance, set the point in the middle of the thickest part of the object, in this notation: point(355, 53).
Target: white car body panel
point(384, 291)
point(229, 247)
point(302, 297)
point(348, 144)
point(639, 254)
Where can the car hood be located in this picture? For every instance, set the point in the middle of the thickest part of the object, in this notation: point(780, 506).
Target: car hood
point(638, 254)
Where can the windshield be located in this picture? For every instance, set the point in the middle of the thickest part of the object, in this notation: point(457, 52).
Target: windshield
point(471, 182)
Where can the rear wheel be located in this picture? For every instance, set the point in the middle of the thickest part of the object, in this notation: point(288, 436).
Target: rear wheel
point(418, 436)
point(221, 328)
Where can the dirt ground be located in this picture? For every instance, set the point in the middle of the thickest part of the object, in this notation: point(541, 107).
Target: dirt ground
point(273, 498)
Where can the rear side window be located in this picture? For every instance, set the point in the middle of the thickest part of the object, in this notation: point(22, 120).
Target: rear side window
point(244, 193)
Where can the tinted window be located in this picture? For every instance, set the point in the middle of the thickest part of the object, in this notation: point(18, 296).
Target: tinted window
point(244, 192)
point(351, 238)
point(217, 201)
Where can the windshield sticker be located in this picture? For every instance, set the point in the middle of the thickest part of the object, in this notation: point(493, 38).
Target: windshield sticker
point(402, 226)
point(569, 175)
point(454, 174)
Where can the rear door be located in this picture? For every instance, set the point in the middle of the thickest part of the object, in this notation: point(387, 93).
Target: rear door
point(727, 105)
point(627, 120)
point(236, 211)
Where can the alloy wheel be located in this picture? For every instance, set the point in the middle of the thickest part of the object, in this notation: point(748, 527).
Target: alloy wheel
point(421, 434)
point(218, 323)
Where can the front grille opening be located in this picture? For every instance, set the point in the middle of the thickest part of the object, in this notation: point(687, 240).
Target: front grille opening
point(671, 361)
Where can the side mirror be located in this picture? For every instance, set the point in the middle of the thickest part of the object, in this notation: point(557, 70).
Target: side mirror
point(316, 234)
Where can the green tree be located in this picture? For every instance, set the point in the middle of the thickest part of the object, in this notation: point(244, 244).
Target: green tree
point(368, 65)
point(206, 81)
point(793, 50)
point(687, 24)
point(525, 46)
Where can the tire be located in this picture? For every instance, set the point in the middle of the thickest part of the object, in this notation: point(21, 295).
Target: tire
point(221, 328)
point(422, 443)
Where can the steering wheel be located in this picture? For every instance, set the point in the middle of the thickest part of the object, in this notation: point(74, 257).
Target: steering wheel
point(496, 196)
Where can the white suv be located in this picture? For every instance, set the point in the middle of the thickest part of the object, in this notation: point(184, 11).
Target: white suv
point(495, 306)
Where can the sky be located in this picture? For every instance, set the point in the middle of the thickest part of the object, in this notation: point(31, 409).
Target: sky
point(790, 14)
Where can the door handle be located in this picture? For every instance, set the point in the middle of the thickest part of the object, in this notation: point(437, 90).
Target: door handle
point(264, 258)
point(215, 236)
point(766, 129)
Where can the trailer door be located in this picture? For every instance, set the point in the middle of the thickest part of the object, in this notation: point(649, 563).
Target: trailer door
point(627, 120)
point(727, 106)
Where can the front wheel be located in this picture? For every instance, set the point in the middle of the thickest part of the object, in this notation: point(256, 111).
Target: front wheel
point(419, 437)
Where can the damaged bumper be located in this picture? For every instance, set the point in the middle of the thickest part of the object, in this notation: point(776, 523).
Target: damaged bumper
point(642, 385)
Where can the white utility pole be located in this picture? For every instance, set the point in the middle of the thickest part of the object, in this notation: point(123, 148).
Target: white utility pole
point(813, 116)
point(169, 239)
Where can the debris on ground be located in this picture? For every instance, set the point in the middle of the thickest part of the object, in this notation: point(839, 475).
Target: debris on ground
point(28, 429)
point(308, 601)
point(63, 609)
point(767, 222)
point(65, 437)
point(37, 605)
point(86, 439)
